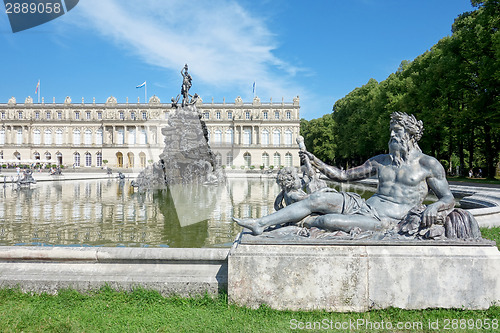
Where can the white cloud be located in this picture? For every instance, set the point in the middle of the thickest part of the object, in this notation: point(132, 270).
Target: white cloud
point(224, 44)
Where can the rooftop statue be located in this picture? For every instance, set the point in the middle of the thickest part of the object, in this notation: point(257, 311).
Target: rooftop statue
point(405, 176)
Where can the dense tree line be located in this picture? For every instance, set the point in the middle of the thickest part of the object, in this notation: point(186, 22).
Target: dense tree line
point(453, 88)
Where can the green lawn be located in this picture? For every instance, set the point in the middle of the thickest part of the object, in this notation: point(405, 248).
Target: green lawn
point(142, 310)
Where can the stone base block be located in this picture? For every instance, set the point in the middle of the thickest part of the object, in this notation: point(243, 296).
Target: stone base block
point(359, 277)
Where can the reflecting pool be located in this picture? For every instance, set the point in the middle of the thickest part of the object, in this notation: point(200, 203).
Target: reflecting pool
point(110, 213)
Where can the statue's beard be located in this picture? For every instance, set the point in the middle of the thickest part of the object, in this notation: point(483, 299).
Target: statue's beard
point(399, 150)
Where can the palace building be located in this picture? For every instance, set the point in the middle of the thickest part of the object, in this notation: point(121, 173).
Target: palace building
point(129, 135)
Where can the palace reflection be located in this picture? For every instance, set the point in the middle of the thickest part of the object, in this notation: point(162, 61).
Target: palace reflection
point(109, 213)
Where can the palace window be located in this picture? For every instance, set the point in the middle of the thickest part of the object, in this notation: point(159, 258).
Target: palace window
point(59, 137)
point(217, 115)
point(121, 136)
point(47, 115)
point(77, 160)
point(99, 158)
point(247, 136)
point(88, 159)
point(98, 136)
point(206, 115)
point(276, 115)
point(47, 138)
point(99, 115)
point(37, 137)
point(76, 137)
point(288, 160)
point(229, 136)
point(143, 138)
point(3, 115)
point(77, 115)
point(229, 159)
point(265, 160)
point(265, 137)
point(277, 159)
point(88, 116)
point(122, 115)
point(217, 137)
point(59, 115)
point(20, 115)
point(48, 156)
point(37, 115)
point(264, 115)
point(248, 159)
point(132, 115)
point(19, 138)
point(131, 136)
point(88, 137)
point(288, 137)
point(144, 116)
point(276, 138)
point(288, 115)
point(230, 115)
point(247, 115)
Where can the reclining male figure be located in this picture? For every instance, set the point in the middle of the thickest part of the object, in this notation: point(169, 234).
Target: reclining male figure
point(404, 178)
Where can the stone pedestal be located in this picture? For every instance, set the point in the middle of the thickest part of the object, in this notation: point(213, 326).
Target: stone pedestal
point(359, 276)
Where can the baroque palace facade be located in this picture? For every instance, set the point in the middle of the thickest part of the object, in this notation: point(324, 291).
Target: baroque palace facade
point(129, 135)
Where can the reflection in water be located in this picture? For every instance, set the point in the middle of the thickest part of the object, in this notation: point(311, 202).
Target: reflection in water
point(109, 213)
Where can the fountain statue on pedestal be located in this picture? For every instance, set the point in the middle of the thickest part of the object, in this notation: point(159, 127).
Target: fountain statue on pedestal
point(187, 156)
point(396, 210)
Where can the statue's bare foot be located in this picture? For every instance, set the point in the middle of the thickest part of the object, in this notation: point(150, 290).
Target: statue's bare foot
point(308, 221)
point(251, 224)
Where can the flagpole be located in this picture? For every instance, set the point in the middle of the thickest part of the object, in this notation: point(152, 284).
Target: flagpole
point(146, 92)
point(39, 90)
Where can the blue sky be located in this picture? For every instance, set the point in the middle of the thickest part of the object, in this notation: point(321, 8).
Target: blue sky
point(320, 50)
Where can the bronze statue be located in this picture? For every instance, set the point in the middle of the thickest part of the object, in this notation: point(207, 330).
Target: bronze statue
point(405, 176)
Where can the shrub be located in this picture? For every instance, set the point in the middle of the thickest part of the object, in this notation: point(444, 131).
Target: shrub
point(271, 167)
point(252, 167)
point(242, 167)
point(262, 167)
point(233, 166)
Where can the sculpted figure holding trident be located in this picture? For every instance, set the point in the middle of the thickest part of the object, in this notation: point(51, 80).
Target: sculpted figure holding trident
point(405, 176)
point(186, 85)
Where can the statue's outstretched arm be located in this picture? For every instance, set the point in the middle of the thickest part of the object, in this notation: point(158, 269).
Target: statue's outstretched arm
point(363, 171)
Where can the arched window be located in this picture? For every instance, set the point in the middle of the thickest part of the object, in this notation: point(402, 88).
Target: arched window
point(247, 136)
point(48, 157)
point(17, 155)
point(218, 159)
point(288, 160)
point(143, 139)
point(76, 138)
point(119, 160)
point(59, 137)
point(229, 159)
point(265, 160)
point(277, 160)
point(88, 137)
point(276, 138)
point(265, 137)
point(248, 159)
point(229, 136)
point(142, 157)
point(36, 155)
point(130, 160)
point(288, 137)
point(98, 136)
point(121, 136)
point(77, 160)
point(217, 137)
point(131, 136)
point(37, 139)
point(88, 159)
point(98, 159)
point(47, 138)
